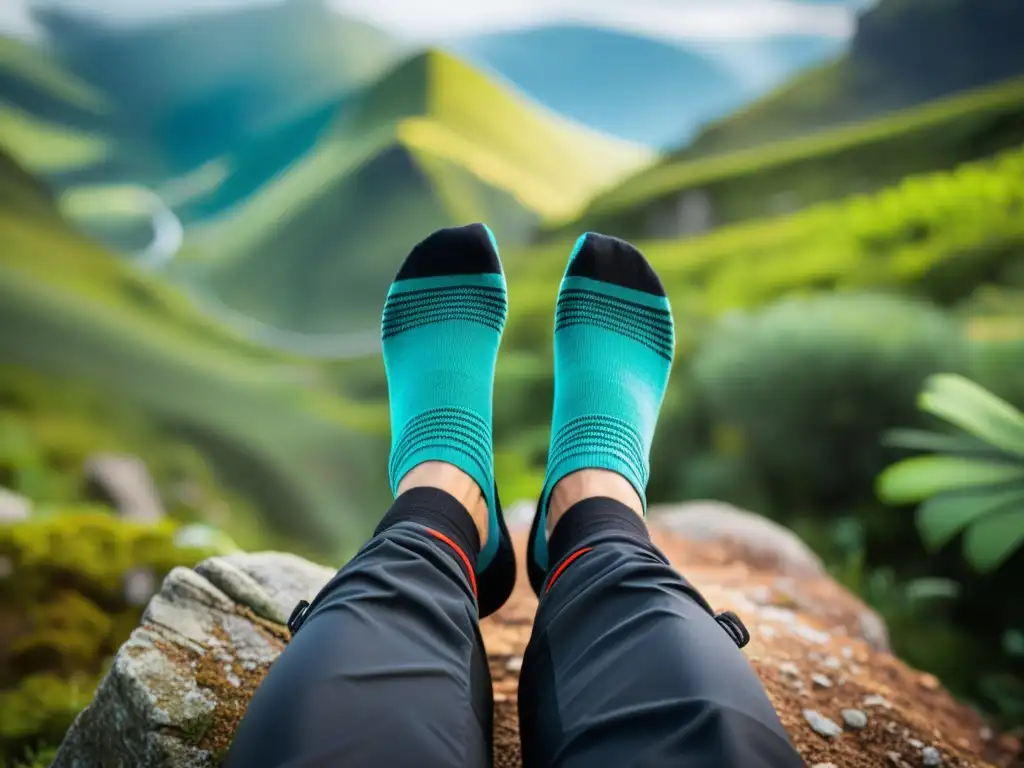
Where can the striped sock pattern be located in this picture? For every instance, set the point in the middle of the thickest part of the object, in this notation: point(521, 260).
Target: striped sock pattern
point(614, 342)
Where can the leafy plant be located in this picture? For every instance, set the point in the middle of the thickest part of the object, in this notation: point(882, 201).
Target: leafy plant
point(973, 481)
point(805, 386)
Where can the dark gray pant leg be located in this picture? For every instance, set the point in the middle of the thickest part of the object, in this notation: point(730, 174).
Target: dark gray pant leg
point(387, 670)
point(628, 667)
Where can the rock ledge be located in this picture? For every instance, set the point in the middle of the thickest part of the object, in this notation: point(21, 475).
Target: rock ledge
point(179, 686)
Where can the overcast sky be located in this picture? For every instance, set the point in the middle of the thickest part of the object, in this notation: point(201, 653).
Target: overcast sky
point(440, 20)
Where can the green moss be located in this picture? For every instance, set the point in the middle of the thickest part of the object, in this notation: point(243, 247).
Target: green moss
point(90, 550)
point(64, 589)
point(39, 710)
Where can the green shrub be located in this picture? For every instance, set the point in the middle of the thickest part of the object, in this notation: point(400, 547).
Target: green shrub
point(804, 387)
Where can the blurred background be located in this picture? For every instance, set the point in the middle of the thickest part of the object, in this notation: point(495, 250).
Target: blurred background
point(202, 203)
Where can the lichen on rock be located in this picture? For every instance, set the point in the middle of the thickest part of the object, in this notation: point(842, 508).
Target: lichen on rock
point(179, 686)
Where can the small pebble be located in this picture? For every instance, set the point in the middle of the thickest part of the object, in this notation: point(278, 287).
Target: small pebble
point(929, 682)
point(854, 718)
point(832, 662)
point(514, 664)
point(855, 669)
point(783, 615)
point(986, 734)
point(915, 743)
point(930, 756)
point(874, 700)
point(789, 669)
point(847, 652)
point(812, 635)
point(820, 681)
point(824, 765)
point(895, 758)
point(767, 631)
point(821, 725)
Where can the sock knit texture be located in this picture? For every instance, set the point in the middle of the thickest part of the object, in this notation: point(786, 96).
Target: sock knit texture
point(614, 343)
point(442, 324)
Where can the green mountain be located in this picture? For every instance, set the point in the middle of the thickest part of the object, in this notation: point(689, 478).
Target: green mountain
point(433, 143)
point(904, 53)
point(278, 432)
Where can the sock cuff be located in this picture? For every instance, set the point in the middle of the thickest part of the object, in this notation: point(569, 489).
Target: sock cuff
point(440, 512)
point(458, 436)
point(589, 518)
point(597, 441)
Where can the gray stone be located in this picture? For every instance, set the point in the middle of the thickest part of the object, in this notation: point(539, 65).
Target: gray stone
point(820, 681)
point(789, 669)
point(930, 756)
point(822, 725)
point(874, 630)
point(854, 718)
point(762, 538)
point(13, 507)
point(124, 483)
point(206, 639)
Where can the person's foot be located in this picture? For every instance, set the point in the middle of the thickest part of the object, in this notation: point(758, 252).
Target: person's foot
point(614, 344)
point(441, 328)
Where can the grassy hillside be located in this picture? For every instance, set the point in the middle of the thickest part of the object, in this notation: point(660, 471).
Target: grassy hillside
point(68, 309)
point(940, 234)
point(433, 143)
point(904, 53)
point(787, 175)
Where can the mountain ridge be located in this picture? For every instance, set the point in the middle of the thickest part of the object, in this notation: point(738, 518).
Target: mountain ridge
point(433, 143)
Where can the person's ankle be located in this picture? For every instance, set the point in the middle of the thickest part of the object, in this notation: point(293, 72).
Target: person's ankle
point(589, 484)
point(452, 480)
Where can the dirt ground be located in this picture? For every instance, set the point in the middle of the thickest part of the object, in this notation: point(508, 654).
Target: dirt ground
point(801, 625)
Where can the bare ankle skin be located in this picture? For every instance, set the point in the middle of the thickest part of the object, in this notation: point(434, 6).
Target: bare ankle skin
point(587, 484)
point(451, 479)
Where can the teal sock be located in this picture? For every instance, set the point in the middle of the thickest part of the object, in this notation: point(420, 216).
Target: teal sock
point(614, 344)
point(442, 324)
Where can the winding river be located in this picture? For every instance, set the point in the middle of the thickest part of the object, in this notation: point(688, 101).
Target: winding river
point(168, 238)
